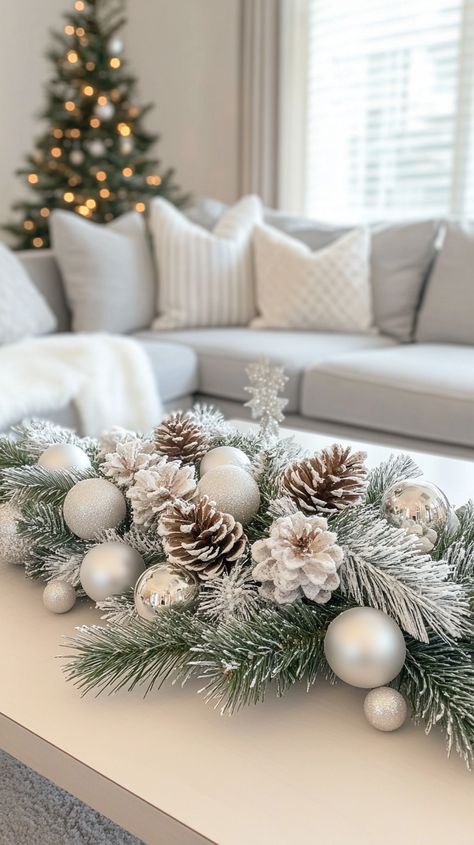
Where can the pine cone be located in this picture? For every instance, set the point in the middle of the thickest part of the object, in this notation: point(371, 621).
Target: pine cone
point(201, 539)
point(181, 437)
point(330, 481)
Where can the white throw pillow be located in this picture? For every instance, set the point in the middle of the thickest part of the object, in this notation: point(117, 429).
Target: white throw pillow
point(327, 290)
point(24, 312)
point(107, 271)
point(205, 278)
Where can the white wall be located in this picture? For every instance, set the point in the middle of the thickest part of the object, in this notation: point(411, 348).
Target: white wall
point(185, 54)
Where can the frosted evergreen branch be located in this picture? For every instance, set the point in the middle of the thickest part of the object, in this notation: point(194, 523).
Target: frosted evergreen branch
point(118, 610)
point(12, 453)
point(396, 468)
point(65, 566)
point(233, 596)
point(38, 484)
point(44, 528)
point(36, 435)
point(147, 543)
point(383, 569)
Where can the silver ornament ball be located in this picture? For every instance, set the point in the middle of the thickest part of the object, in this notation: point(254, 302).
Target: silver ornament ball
point(96, 148)
point(385, 709)
point(93, 505)
point(223, 456)
point(59, 596)
point(13, 548)
point(233, 490)
point(110, 569)
point(364, 647)
point(160, 587)
point(419, 507)
point(105, 111)
point(115, 45)
point(64, 456)
point(76, 157)
point(126, 145)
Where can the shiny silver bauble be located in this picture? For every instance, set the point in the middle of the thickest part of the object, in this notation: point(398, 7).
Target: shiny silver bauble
point(64, 456)
point(364, 647)
point(419, 507)
point(160, 587)
point(110, 569)
point(223, 456)
point(59, 596)
point(233, 490)
point(385, 709)
point(93, 505)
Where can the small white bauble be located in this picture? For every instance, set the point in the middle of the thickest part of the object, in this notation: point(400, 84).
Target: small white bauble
point(364, 647)
point(96, 147)
point(223, 456)
point(59, 596)
point(93, 505)
point(233, 490)
point(64, 456)
point(385, 709)
point(105, 111)
point(109, 570)
point(160, 587)
point(126, 145)
point(76, 157)
point(114, 45)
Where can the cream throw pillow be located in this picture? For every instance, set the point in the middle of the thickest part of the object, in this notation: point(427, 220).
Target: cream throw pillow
point(327, 290)
point(204, 278)
point(24, 312)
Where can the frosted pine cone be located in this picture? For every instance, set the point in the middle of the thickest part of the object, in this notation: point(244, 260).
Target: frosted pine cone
point(330, 481)
point(109, 439)
point(299, 558)
point(181, 437)
point(200, 538)
point(129, 456)
point(155, 488)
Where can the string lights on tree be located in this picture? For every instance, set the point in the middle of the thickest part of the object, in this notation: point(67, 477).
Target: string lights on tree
point(93, 156)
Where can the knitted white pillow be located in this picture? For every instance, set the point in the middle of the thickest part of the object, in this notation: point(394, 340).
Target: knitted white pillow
point(24, 312)
point(327, 290)
point(204, 278)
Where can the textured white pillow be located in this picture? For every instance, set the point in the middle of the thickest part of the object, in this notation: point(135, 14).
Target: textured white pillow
point(24, 312)
point(327, 290)
point(205, 278)
point(107, 271)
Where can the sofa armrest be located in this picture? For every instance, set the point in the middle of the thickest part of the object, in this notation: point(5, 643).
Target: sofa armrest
point(43, 271)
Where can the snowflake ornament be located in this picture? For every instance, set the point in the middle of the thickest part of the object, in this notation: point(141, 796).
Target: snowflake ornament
point(266, 382)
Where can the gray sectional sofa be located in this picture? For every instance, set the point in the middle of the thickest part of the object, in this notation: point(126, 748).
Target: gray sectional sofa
point(368, 387)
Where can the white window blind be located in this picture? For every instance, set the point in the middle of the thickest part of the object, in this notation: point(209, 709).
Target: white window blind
point(388, 109)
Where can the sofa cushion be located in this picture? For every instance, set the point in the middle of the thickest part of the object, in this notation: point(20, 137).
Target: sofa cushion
point(447, 311)
point(24, 311)
point(420, 390)
point(224, 354)
point(43, 270)
point(175, 366)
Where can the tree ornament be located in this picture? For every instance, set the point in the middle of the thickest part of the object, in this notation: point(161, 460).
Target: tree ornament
point(201, 539)
point(266, 382)
point(155, 488)
point(223, 456)
point(161, 587)
point(93, 505)
point(64, 456)
point(420, 508)
point(114, 45)
point(330, 481)
point(129, 456)
point(76, 157)
point(364, 647)
point(110, 569)
point(299, 558)
point(14, 549)
point(233, 490)
point(105, 111)
point(96, 147)
point(59, 596)
point(385, 709)
point(126, 146)
point(180, 437)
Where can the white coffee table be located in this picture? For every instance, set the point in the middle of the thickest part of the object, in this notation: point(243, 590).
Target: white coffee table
point(301, 770)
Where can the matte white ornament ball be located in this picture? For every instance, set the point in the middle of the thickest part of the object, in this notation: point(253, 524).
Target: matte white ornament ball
point(233, 490)
point(76, 157)
point(160, 587)
point(96, 147)
point(364, 647)
point(64, 456)
point(115, 45)
point(93, 505)
point(105, 111)
point(385, 709)
point(110, 569)
point(223, 456)
point(59, 596)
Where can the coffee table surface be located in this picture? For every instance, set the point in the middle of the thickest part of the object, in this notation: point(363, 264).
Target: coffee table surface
point(303, 769)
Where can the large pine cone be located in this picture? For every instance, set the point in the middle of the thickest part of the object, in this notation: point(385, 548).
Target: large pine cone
point(201, 539)
point(330, 481)
point(180, 437)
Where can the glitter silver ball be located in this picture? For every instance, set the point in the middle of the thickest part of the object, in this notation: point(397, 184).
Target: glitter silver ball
point(96, 147)
point(223, 456)
point(64, 456)
point(76, 157)
point(105, 111)
point(419, 507)
point(364, 647)
point(13, 548)
point(385, 709)
point(126, 145)
point(233, 490)
point(160, 587)
point(110, 569)
point(59, 596)
point(93, 505)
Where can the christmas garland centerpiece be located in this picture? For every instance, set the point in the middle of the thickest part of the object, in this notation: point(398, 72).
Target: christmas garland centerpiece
point(242, 560)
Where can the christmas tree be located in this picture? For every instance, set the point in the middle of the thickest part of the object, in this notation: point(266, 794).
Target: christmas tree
point(92, 159)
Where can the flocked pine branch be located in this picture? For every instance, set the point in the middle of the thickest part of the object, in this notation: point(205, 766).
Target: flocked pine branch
point(43, 526)
point(36, 484)
point(13, 454)
point(396, 468)
point(232, 596)
point(147, 543)
point(118, 610)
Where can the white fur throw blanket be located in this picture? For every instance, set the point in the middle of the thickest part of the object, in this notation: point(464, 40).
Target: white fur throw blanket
point(109, 379)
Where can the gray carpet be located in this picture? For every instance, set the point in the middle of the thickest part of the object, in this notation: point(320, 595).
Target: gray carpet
point(33, 811)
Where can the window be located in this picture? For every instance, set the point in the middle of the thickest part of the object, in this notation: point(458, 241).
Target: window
point(385, 94)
